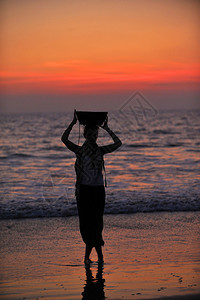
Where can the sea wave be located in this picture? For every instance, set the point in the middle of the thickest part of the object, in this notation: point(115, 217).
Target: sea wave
point(122, 203)
point(22, 156)
point(161, 131)
point(155, 145)
point(17, 155)
point(54, 148)
point(156, 169)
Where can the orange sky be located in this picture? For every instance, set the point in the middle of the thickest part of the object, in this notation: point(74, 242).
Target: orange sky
point(74, 47)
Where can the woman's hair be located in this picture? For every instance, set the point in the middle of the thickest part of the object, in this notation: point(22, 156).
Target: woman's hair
point(90, 129)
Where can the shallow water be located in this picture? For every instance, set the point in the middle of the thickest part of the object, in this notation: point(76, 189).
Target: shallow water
point(156, 169)
point(147, 255)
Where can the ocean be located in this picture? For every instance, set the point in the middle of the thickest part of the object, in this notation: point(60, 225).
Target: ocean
point(156, 168)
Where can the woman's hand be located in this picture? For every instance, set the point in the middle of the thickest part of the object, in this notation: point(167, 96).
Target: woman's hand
point(105, 124)
point(75, 118)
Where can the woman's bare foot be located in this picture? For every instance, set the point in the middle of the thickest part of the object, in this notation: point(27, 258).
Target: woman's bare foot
point(87, 261)
point(100, 259)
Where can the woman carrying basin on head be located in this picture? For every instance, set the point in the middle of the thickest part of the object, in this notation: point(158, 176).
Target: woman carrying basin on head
point(90, 190)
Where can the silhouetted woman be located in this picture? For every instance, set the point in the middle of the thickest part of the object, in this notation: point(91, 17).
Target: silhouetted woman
point(90, 191)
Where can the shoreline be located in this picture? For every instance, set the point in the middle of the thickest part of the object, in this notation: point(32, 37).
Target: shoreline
point(105, 214)
point(175, 297)
point(178, 297)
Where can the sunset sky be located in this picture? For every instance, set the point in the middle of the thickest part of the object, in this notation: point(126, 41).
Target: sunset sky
point(61, 54)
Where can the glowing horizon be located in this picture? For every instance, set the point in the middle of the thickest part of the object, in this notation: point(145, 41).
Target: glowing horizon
point(85, 77)
point(61, 47)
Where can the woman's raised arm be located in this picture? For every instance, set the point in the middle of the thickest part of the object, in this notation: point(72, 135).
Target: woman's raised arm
point(117, 142)
point(65, 137)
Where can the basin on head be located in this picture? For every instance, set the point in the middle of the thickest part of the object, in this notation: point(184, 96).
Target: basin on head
point(91, 117)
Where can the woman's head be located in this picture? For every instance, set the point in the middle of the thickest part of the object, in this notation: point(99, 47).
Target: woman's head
point(91, 132)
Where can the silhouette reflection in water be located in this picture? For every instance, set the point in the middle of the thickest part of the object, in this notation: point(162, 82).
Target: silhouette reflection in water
point(94, 287)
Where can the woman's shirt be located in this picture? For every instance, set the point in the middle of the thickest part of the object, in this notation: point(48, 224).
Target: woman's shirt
point(89, 165)
point(88, 171)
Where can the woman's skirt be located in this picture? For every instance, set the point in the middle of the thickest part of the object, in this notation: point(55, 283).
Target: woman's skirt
point(91, 202)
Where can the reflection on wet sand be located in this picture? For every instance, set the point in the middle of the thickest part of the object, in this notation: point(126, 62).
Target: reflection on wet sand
point(94, 287)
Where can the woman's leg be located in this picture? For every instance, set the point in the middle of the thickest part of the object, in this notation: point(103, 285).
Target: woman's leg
point(88, 250)
point(99, 253)
point(83, 197)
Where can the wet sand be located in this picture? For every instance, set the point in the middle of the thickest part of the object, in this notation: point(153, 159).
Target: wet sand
point(147, 256)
